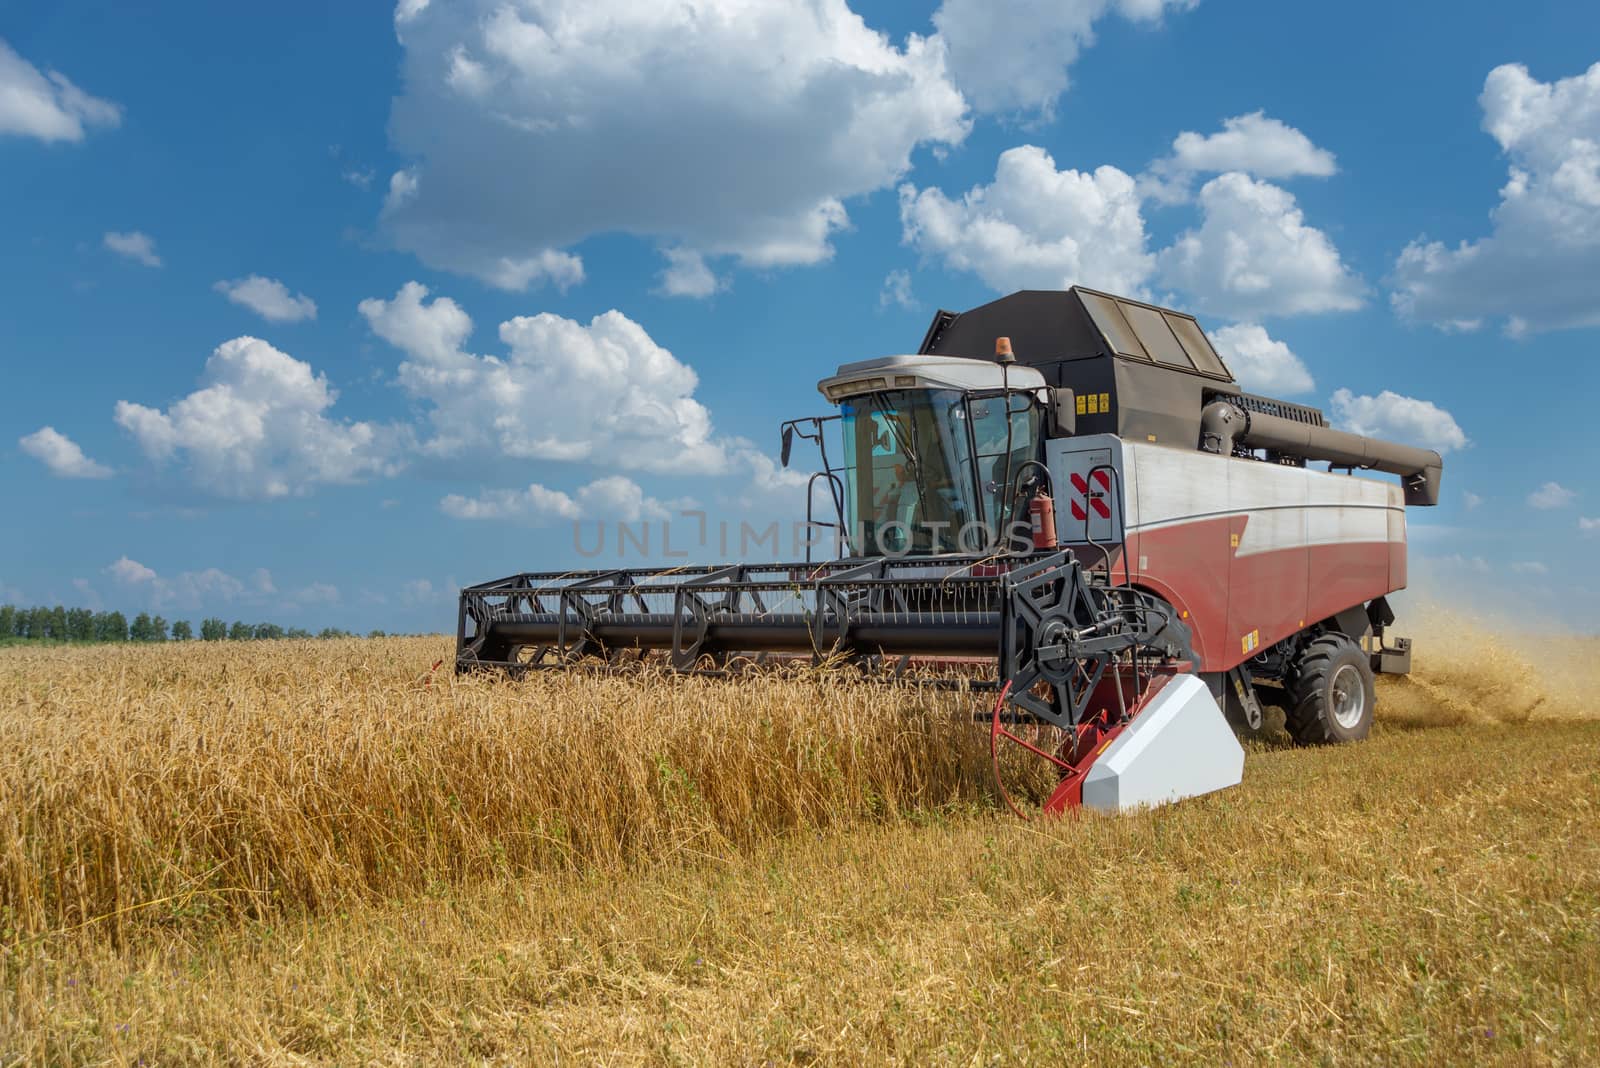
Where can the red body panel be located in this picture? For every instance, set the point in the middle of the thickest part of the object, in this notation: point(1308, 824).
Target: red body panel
point(1237, 604)
point(1248, 552)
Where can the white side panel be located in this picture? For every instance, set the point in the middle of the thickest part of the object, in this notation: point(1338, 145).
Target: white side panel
point(1274, 497)
point(1288, 507)
point(1175, 485)
point(1347, 509)
point(1086, 492)
point(1397, 525)
point(1179, 746)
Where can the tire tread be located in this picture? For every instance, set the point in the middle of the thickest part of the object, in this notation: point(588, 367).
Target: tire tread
point(1308, 719)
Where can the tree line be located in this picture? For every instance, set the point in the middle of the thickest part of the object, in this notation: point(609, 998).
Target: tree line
point(83, 625)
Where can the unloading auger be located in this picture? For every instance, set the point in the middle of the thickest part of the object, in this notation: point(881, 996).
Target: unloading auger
point(1198, 568)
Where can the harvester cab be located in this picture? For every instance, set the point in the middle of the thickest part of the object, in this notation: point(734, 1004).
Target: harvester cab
point(1072, 487)
point(933, 452)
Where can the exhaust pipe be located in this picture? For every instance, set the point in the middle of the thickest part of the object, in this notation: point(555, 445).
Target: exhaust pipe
point(1224, 424)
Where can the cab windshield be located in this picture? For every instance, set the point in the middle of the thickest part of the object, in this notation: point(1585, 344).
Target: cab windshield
point(927, 470)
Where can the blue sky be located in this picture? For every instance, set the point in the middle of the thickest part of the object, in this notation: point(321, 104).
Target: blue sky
point(217, 225)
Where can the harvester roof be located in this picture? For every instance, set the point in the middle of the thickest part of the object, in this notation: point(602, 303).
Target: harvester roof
point(1050, 326)
point(927, 372)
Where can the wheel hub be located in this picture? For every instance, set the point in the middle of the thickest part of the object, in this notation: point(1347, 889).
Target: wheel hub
point(1347, 696)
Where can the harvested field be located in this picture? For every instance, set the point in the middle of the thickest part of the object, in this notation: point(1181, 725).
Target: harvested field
point(319, 852)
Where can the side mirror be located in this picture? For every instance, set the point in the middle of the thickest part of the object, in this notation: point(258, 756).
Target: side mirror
point(1063, 412)
point(788, 443)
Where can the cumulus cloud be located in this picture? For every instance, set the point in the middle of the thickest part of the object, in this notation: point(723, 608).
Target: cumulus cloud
point(188, 590)
point(259, 428)
point(1016, 55)
point(268, 298)
point(47, 106)
point(1393, 417)
point(61, 455)
point(1254, 144)
point(1036, 227)
point(723, 127)
point(1471, 500)
point(602, 392)
point(1259, 362)
point(1536, 267)
point(130, 571)
point(897, 291)
point(212, 588)
point(422, 592)
point(687, 275)
point(614, 497)
point(1550, 496)
point(135, 245)
point(1588, 525)
point(1253, 255)
point(315, 593)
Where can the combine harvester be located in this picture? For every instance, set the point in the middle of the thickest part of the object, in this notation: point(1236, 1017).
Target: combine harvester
point(1140, 549)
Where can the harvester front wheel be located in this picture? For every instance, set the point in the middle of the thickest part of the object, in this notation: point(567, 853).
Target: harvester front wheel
point(1332, 694)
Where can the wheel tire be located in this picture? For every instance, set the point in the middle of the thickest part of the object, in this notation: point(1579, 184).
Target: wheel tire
point(1332, 695)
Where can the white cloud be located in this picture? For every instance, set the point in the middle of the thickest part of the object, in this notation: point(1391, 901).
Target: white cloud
point(1015, 55)
point(1036, 227)
point(61, 455)
point(601, 393)
point(614, 498)
point(432, 332)
point(130, 572)
point(261, 581)
point(1255, 144)
point(545, 267)
point(1470, 499)
point(897, 291)
point(725, 127)
point(1260, 363)
point(259, 427)
point(135, 245)
point(316, 593)
point(1551, 495)
point(47, 106)
point(687, 275)
point(1406, 420)
point(268, 298)
point(421, 592)
point(1529, 567)
point(1536, 267)
point(1253, 255)
point(188, 590)
point(1588, 525)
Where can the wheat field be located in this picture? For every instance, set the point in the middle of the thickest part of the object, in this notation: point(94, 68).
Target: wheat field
point(328, 852)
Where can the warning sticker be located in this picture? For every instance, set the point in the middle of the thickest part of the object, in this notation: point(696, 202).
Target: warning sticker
point(1250, 642)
